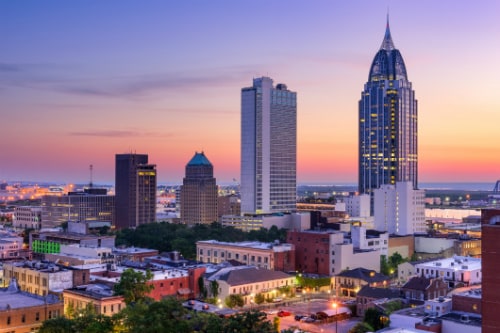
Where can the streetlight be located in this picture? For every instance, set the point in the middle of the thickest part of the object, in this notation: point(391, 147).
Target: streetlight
point(335, 306)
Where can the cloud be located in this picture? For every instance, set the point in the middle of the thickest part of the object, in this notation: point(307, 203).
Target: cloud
point(119, 134)
point(145, 85)
point(76, 80)
point(9, 68)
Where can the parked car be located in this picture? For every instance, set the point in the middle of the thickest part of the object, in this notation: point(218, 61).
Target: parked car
point(271, 312)
point(283, 313)
point(299, 317)
point(307, 320)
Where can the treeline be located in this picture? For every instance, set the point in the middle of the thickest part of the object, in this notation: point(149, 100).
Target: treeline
point(166, 237)
point(167, 316)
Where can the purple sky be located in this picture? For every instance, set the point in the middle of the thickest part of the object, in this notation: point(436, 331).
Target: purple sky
point(83, 80)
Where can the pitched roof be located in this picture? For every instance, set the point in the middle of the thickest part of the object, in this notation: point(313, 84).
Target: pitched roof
point(417, 283)
point(364, 274)
point(378, 293)
point(199, 159)
point(246, 275)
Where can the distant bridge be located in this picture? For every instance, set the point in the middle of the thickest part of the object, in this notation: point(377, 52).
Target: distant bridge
point(496, 189)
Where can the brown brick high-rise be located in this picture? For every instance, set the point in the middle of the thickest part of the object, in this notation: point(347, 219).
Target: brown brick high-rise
point(490, 220)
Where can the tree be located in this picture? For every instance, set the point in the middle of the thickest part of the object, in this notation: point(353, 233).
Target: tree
point(133, 286)
point(248, 322)
point(384, 265)
point(361, 327)
point(84, 321)
point(396, 259)
point(167, 315)
point(201, 287)
point(259, 298)
point(214, 288)
point(373, 317)
point(57, 325)
point(234, 300)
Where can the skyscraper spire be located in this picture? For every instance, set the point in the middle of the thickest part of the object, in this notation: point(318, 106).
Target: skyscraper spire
point(387, 43)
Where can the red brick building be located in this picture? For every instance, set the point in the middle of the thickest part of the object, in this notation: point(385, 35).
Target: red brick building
point(179, 283)
point(490, 255)
point(468, 301)
point(419, 289)
point(312, 251)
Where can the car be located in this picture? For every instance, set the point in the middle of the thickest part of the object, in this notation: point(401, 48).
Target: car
point(307, 320)
point(299, 317)
point(283, 313)
point(271, 312)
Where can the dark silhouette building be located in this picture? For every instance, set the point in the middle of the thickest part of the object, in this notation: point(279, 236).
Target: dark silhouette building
point(199, 192)
point(387, 122)
point(135, 187)
point(490, 257)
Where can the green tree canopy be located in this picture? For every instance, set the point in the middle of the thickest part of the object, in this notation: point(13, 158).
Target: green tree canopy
point(133, 286)
point(234, 300)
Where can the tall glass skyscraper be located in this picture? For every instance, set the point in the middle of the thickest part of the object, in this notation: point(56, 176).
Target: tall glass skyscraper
point(268, 148)
point(387, 122)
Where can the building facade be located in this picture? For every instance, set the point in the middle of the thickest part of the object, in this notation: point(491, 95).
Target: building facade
point(456, 271)
point(100, 297)
point(280, 257)
point(199, 192)
point(38, 278)
point(399, 209)
point(22, 312)
point(387, 122)
point(228, 205)
point(326, 253)
point(358, 205)
point(135, 187)
point(27, 217)
point(268, 148)
point(490, 302)
point(77, 206)
point(249, 281)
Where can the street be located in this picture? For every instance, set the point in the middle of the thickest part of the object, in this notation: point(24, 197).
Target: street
point(307, 308)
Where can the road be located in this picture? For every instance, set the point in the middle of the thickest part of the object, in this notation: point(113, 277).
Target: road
point(312, 306)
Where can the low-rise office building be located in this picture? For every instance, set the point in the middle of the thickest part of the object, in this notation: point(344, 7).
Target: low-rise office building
point(100, 297)
point(272, 256)
point(348, 283)
point(248, 281)
point(456, 271)
point(27, 217)
point(37, 277)
point(25, 312)
point(327, 253)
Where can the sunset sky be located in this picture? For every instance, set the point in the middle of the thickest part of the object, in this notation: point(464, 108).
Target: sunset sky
point(81, 81)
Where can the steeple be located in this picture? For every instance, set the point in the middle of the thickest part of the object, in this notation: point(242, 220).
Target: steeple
point(387, 43)
point(388, 63)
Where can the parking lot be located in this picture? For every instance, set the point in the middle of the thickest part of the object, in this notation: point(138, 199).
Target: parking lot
point(306, 309)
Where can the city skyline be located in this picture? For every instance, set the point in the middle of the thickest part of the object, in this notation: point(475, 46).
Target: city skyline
point(83, 81)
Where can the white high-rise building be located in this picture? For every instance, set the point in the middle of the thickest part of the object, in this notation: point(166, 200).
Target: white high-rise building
point(268, 148)
point(358, 205)
point(399, 209)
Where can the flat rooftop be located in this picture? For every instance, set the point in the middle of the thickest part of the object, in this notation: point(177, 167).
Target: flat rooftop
point(456, 263)
point(249, 244)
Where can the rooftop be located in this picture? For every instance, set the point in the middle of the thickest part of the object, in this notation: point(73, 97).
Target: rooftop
point(456, 263)
point(463, 317)
point(364, 274)
point(13, 298)
point(240, 275)
point(249, 244)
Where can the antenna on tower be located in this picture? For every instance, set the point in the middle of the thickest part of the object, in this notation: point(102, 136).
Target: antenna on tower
point(91, 167)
